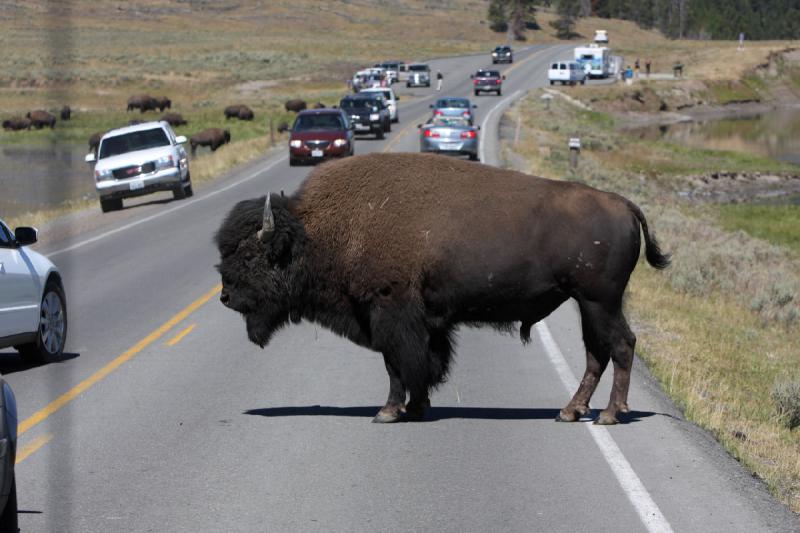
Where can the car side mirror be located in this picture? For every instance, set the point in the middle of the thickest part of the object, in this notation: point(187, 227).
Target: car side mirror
point(90, 158)
point(477, 127)
point(472, 76)
point(25, 235)
point(474, 106)
point(180, 139)
point(419, 126)
point(504, 77)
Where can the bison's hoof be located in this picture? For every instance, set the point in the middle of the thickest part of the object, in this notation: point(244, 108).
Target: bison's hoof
point(416, 412)
point(566, 415)
point(623, 408)
point(386, 416)
point(583, 410)
point(606, 419)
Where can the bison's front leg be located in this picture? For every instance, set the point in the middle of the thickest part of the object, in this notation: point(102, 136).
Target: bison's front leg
point(395, 404)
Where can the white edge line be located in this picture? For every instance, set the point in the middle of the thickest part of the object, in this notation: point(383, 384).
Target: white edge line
point(160, 214)
point(499, 105)
point(634, 489)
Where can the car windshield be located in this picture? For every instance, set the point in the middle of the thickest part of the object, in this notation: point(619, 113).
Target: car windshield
point(132, 142)
point(387, 95)
point(457, 103)
point(359, 103)
point(419, 68)
point(451, 122)
point(318, 122)
point(488, 74)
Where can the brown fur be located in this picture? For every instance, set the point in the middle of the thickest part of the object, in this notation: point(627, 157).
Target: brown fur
point(174, 119)
point(295, 105)
point(142, 102)
point(94, 141)
point(66, 113)
point(211, 137)
point(16, 124)
point(40, 119)
point(163, 103)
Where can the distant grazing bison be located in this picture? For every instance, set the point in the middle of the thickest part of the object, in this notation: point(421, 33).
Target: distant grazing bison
point(66, 113)
point(163, 103)
point(240, 111)
point(142, 102)
point(283, 126)
point(211, 137)
point(245, 113)
point(40, 119)
point(394, 251)
point(174, 119)
point(16, 124)
point(295, 105)
point(94, 141)
point(319, 105)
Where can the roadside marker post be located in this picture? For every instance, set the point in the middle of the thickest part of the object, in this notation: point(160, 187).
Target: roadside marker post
point(574, 152)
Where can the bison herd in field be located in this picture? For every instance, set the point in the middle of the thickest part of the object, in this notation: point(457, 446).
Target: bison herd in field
point(211, 137)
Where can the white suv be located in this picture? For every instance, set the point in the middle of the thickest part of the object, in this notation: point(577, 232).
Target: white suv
point(138, 160)
point(33, 307)
point(390, 97)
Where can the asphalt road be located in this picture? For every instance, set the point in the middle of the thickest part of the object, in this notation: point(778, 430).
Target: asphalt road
point(163, 417)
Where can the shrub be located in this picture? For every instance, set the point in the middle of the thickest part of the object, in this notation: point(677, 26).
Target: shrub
point(787, 398)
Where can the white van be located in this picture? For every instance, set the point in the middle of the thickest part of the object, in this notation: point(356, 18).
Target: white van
point(390, 97)
point(566, 72)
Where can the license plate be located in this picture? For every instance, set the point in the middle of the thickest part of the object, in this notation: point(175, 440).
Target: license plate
point(316, 153)
point(135, 185)
point(361, 127)
point(450, 146)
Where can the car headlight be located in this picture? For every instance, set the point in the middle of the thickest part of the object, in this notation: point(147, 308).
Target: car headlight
point(295, 143)
point(340, 142)
point(165, 162)
point(494, 54)
point(374, 116)
point(103, 175)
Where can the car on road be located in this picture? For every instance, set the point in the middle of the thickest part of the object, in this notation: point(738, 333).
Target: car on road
point(33, 306)
point(8, 444)
point(419, 75)
point(319, 134)
point(368, 112)
point(138, 160)
point(392, 69)
point(487, 81)
point(449, 135)
point(452, 106)
point(566, 73)
point(502, 54)
point(390, 97)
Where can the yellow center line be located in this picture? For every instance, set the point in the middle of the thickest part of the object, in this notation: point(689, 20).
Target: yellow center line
point(32, 446)
point(64, 399)
point(177, 338)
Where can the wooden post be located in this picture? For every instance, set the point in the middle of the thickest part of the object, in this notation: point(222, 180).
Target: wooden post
point(271, 133)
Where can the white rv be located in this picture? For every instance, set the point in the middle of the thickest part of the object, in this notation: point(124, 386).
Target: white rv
point(595, 60)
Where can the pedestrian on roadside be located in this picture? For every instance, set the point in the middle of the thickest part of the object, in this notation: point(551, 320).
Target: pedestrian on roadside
point(636, 67)
point(647, 65)
point(439, 79)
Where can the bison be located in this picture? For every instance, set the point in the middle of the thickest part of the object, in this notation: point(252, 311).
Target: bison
point(394, 251)
point(16, 124)
point(94, 141)
point(211, 137)
point(245, 113)
point(40, 118)
point(66, 113)
point(283, 126)
point(174, 119)
point(142, 102)
point(232, 111)
point(295, 105)
point(163, 103)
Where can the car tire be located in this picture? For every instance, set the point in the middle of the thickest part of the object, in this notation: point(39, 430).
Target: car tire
point(54, 307)
point(552, 82)
point(114, 204)
point(179, 193)
point(583, 82)
point(396, 119)
point(473, 157)
point(8, 518)
point(476, 93)
point(499, 92)
point(388, 126)
point(293, 162)
point(379, 134)
point(408, 85)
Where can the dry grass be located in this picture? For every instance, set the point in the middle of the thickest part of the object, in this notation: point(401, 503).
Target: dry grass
point(720, 327)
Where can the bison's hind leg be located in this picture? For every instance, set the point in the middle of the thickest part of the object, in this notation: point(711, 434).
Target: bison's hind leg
point(607, 337)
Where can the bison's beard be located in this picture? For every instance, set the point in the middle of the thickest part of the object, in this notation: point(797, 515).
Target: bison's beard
point(261, 326)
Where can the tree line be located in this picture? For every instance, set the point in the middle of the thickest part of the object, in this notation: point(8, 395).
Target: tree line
point(695, 19)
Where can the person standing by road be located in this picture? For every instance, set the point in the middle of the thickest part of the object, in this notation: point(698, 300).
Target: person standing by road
point(647, 65)
point(439, 79)
point(636, 68)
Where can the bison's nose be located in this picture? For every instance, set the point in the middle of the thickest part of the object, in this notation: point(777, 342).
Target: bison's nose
point(225, 298)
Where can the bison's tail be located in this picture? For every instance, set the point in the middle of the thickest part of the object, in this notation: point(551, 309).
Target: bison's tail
point(652, 251)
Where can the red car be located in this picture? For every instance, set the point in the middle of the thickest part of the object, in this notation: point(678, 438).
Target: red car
point(319, 134)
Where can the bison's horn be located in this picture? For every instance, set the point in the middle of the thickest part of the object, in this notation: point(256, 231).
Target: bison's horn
point(269, 221)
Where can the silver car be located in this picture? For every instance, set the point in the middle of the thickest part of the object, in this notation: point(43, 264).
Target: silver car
point(452, 106)
point(449, 135)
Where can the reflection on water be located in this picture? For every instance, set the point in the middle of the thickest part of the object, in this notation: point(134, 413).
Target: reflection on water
point(775, 134)
point(34, 177)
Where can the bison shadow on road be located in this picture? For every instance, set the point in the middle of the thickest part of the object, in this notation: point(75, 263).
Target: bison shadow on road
point(11, 362)
point(440, 413)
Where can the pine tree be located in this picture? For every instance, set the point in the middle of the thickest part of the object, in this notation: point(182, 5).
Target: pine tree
point(497, 16)
point(568, 11)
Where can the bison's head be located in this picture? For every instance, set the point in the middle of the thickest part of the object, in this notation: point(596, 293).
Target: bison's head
point(260, 242)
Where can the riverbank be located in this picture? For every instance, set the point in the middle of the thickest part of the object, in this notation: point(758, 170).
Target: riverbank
point(719, 328)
